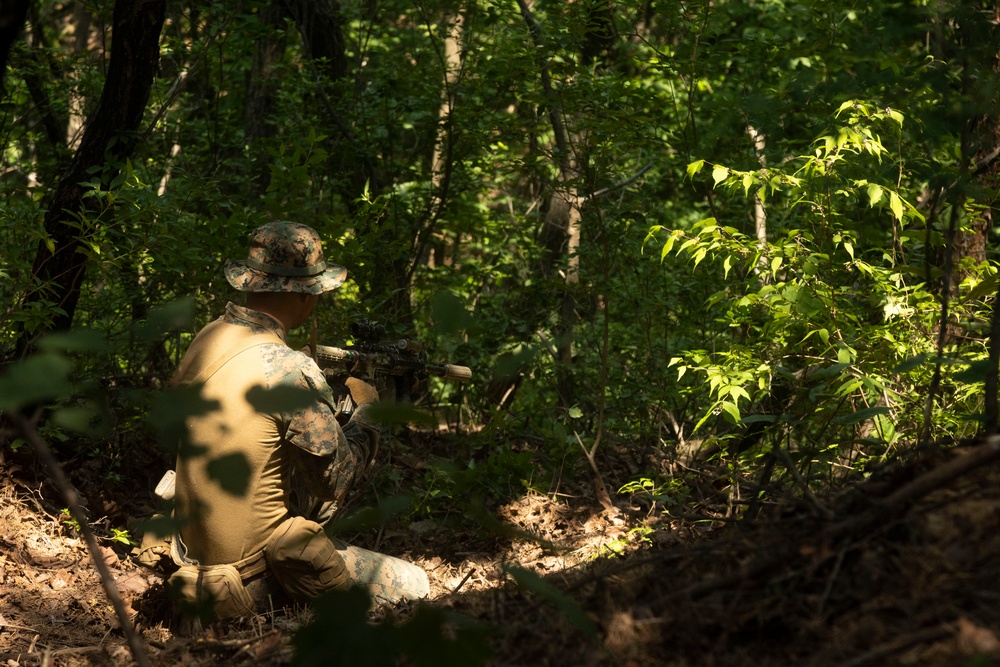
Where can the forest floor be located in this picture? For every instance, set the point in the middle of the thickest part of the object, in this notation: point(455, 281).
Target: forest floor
point(900, 568)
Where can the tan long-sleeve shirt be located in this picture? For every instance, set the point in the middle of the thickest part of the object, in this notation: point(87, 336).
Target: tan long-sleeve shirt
point(234, 466)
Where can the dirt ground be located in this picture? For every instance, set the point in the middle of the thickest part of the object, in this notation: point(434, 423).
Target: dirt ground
point(901, 568)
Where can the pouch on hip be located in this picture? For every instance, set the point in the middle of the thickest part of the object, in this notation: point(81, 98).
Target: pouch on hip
point(210, 592)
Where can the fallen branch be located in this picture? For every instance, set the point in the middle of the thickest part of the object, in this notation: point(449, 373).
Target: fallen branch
point(901, 500)
point(69, 494)
point(781, 561)
point(882, 651)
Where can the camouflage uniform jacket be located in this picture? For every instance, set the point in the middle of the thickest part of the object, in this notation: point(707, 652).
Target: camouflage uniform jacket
point(234, 471)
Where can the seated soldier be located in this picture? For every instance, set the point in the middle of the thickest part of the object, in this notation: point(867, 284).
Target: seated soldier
point(255, 480)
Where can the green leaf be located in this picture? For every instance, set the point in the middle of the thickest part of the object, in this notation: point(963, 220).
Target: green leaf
point(753, 419)
point(737, 392)
point(731, 411)
point(449, 314)
point(667, 247)
point(512, 364)
point(370, 517)
point(986, 287)
point(86, 419)
point(830, 371)
point(850, 386)
point(694, 167)
point(399, 413)
point(40, 378)
point(77, 340)
point(861, 415)
point(846, 105)
point(162, 320)
point(874, 193)
point(720, 173)
point(435, 637)
point(976, 372)
point(846, 355)
point(911, 363)
point(896, 204)
point(170, 410)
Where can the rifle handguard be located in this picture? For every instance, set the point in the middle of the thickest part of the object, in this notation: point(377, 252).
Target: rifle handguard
point(326, 356)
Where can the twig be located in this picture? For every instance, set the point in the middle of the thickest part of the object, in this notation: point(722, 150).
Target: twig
point(542, 336)
point(69, 494)
point(898, 644)
point(240, 643)
point(599, 488)
point(830, 580)
point(983, 164)
point(464, 579)
point(4, 625)
point(786, 459)
point(617, 186)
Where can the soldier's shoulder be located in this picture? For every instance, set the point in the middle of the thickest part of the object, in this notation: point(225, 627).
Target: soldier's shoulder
point(283, 362)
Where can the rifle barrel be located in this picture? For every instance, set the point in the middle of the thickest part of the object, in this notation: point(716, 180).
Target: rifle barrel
point(452, 372)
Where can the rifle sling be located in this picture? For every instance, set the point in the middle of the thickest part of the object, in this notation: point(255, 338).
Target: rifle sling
point(232, 352)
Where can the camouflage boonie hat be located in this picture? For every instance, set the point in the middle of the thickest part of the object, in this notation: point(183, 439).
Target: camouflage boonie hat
point(284, 257)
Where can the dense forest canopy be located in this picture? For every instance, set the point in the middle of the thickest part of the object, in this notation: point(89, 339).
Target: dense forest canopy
point(753, 232)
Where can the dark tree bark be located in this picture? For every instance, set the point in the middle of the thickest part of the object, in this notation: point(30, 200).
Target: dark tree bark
point(109, 138)
point(986, 134)
point(262, 91)
point(322, 28)
point(13, 13)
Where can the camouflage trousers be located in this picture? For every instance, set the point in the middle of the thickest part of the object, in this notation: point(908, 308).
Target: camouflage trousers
point(386, 577)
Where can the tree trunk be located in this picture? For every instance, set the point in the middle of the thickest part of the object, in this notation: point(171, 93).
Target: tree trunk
point(262, 89)
point(986, 138)
point(12, 17)
point(322, 28)
point(561, 232)
point(108, 140)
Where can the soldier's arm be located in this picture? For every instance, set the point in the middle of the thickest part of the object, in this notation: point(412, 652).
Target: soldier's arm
point(330, 458)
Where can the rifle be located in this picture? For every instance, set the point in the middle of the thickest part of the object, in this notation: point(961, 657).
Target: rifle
point(377, 361)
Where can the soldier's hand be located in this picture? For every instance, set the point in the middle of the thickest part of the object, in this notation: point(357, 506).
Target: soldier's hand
point(361, 391)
